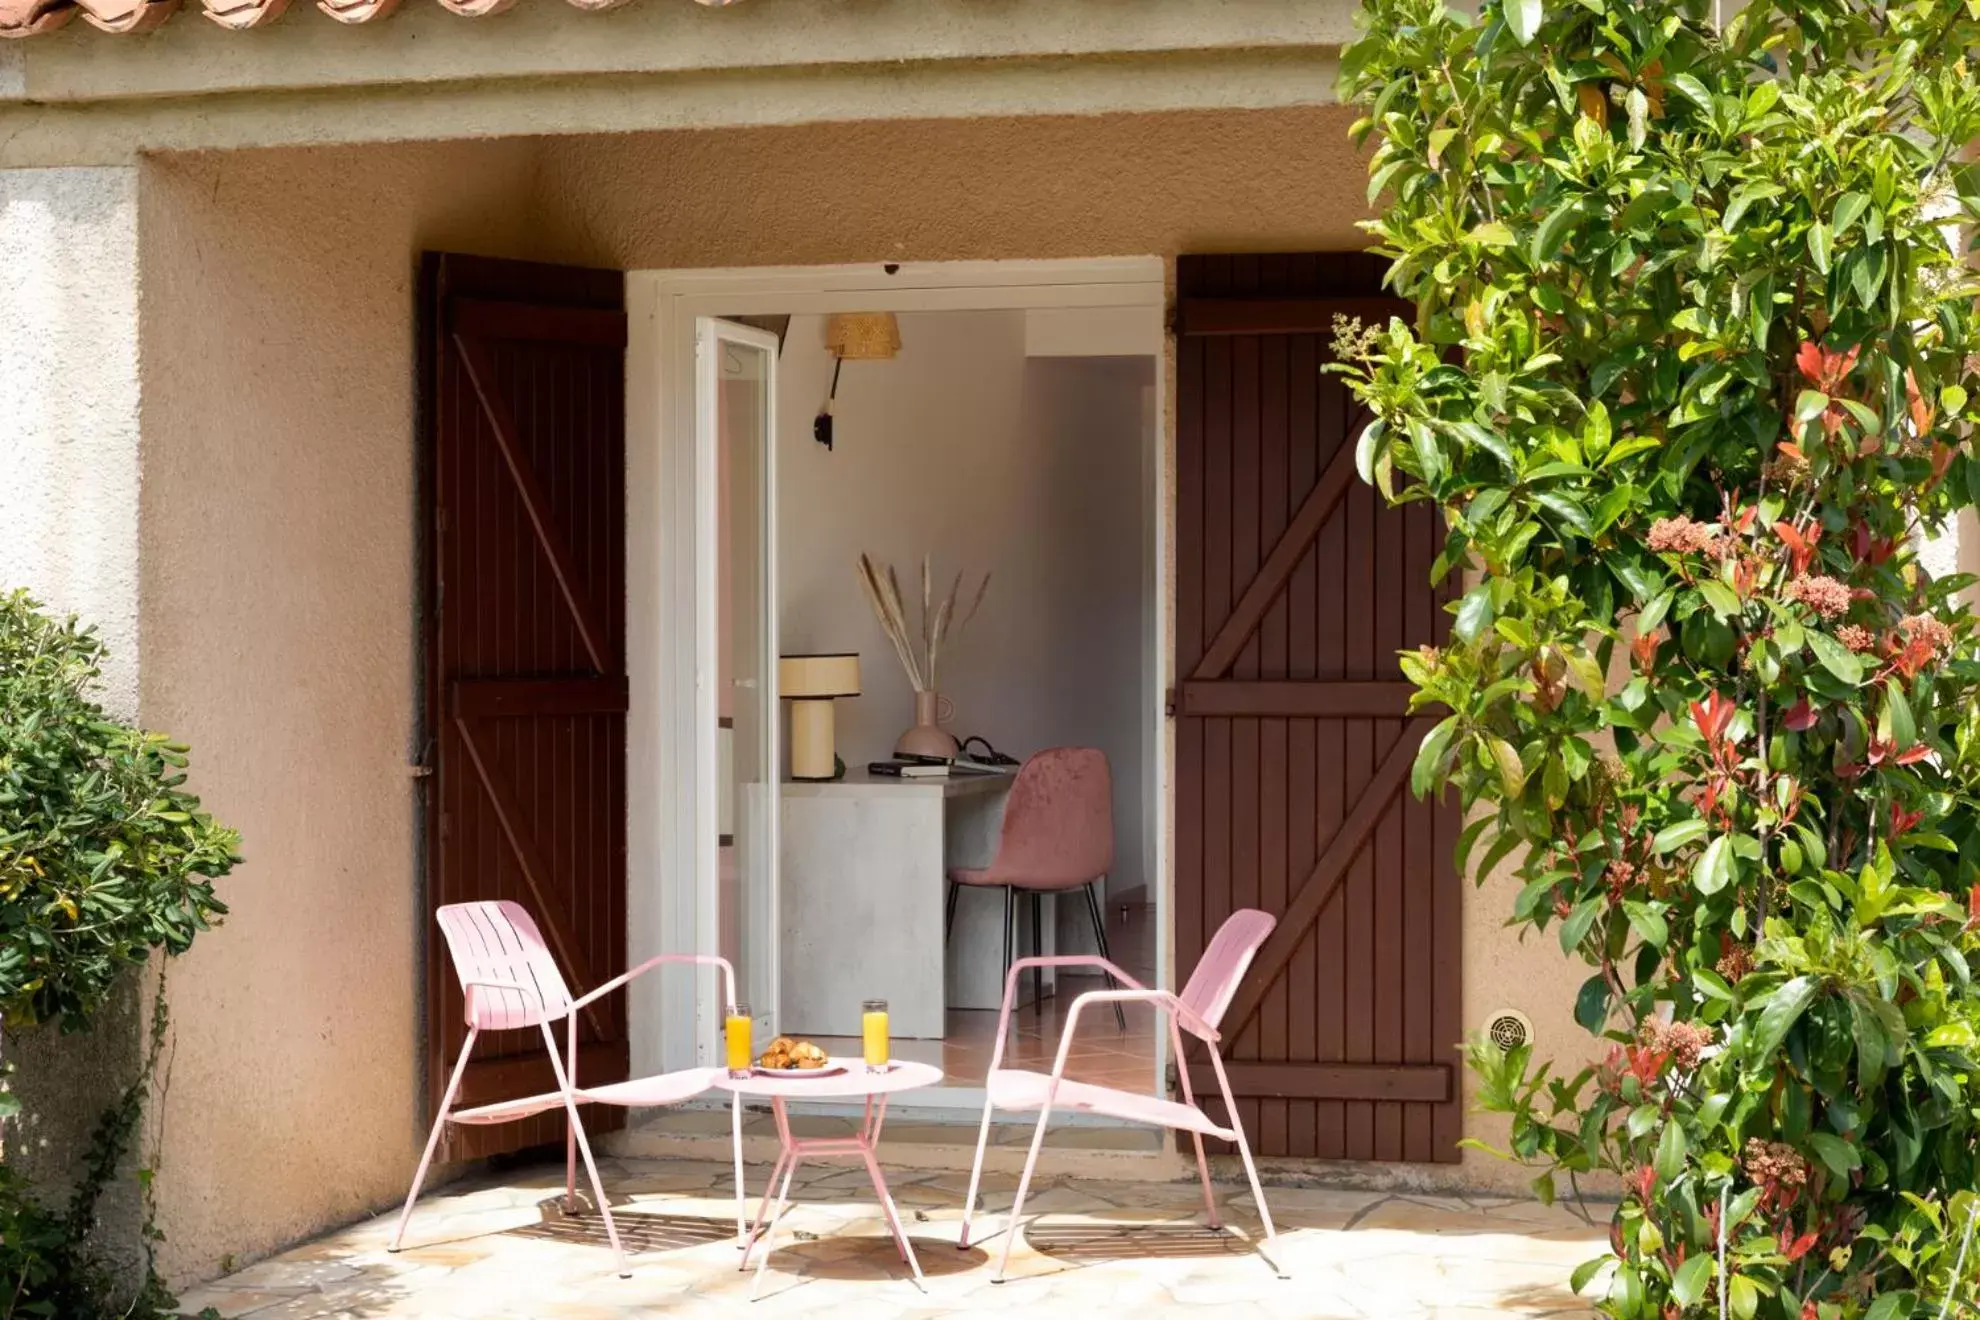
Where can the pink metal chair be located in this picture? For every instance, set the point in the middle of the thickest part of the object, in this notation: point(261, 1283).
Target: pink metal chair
point(1058, 836)
point(511, 983)
point(1198, 1010)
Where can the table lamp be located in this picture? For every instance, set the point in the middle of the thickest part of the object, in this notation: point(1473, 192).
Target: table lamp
point(811, 683)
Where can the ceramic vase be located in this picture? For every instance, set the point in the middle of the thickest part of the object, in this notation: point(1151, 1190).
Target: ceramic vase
point(928, 737)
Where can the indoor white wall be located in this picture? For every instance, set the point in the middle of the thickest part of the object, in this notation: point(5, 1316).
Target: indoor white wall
point(963, 449)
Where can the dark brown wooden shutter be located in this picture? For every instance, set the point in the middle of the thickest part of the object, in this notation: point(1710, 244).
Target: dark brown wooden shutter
point(523, 402)
point(1296, 588)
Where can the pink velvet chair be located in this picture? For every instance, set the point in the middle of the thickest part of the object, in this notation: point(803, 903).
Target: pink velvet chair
point(1198, 1010)
point(1058, 836)
point(511, 983)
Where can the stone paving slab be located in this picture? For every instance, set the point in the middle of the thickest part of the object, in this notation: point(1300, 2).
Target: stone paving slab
point(496, 1250)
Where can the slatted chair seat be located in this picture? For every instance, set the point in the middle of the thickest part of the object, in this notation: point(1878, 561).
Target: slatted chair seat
point(1019, 1091)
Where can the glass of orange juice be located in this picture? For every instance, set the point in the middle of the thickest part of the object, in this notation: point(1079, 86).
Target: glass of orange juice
point(735, 1036)
point(873, 1033)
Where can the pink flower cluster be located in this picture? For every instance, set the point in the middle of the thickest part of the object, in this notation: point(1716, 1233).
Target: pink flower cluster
point(1680, 535)
point(1821, 593)
point(1683, 1041)
point(1926, 630)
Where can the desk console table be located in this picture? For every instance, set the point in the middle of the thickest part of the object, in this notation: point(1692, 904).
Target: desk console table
point(862, 889)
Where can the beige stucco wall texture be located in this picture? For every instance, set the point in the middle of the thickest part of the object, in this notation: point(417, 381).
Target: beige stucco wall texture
point(278, 539)
point(69, 468)
point(278, 597)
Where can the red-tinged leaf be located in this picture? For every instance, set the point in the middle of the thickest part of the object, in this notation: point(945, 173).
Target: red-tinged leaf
point(1922, 412)
point(1792, 451)
point(1973, 906)
point(1800, 717)
point(1810, 358)
point(1913, 754)
point(1712, 715)
point(1801, 1246)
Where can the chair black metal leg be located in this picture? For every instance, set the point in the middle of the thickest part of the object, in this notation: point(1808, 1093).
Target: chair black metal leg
point(1010, 934)
point(949, 914)
point(1037, 951)
point(1100, 937)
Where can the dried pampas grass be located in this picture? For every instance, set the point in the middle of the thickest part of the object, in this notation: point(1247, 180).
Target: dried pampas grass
point(920, 650)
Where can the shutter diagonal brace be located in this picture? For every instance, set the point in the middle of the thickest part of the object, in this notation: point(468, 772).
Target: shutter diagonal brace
point(1278, 567)
point(1324, 881)
point(502, 422)
point(522, 846)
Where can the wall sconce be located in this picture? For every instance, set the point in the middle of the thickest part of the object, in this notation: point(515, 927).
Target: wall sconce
point(860, 337)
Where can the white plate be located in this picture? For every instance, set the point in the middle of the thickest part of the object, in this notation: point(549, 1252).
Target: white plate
point(832, 1068)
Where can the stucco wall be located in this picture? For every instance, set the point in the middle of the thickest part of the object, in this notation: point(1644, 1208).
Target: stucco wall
point(278, 597)
point(278, 548)
point(69, 468)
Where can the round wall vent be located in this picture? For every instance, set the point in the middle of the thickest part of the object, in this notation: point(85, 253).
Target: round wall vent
point(1509, 1029)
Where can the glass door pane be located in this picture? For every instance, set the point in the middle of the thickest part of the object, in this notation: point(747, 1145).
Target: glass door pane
point(737, 410)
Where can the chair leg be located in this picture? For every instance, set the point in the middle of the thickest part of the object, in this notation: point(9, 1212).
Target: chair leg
point(1037, 951)
point(433, 1138)
point(1269, 1249)
point(1010, 937)
point(1024, 1185)
point(570, 1167)
point(1091, 889)
point(975, 1176)
point(735, 1125)
point(584, 1149)
point(1203, 1173)
point(949, 913)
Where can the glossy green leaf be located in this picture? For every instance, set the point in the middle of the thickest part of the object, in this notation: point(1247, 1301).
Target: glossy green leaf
point(1835, 657)
point(1714, 870)
point(1523, 19)
point(1689, 1283)
point(1783, 1010)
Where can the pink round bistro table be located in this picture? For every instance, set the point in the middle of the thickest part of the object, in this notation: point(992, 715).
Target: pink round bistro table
point(855, 1082)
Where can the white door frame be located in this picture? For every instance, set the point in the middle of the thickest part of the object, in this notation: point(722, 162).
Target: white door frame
point(757, 980)
point(670, 587)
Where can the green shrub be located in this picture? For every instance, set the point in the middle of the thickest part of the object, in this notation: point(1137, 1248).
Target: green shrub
point(1691, 375)
point(103, 854)
point(104, 857)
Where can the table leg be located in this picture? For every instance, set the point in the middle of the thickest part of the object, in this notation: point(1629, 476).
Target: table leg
point(770, 1229)
point(869, 1137)
point(763, 1207)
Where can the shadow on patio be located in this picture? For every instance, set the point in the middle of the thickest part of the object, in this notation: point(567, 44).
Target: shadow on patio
point(499, 1249)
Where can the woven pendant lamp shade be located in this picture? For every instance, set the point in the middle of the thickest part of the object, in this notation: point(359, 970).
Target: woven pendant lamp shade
point(863, 336)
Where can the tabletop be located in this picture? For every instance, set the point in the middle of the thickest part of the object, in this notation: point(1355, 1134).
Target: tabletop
point(854, 1082)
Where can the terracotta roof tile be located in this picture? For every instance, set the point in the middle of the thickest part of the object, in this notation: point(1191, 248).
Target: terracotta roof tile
point(241, 14)
point(27, 18)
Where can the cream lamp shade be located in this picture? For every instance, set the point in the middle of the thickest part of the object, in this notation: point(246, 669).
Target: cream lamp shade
point(811, 683)
point(863, 336)
point(812, 676)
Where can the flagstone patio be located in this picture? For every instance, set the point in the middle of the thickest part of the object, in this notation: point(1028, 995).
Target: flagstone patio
point(491, 1250)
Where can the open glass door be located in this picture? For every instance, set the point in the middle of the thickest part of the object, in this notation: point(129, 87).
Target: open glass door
point(736, 410)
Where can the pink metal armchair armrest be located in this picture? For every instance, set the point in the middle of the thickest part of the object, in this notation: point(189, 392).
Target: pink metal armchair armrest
point(510, 981)
point(1198, 1010)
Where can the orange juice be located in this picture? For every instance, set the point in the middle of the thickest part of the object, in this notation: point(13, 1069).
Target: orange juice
point(873, 1033)
point(735, 1034)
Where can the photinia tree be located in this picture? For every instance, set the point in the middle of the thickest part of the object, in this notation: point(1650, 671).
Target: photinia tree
point(1691, 380)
